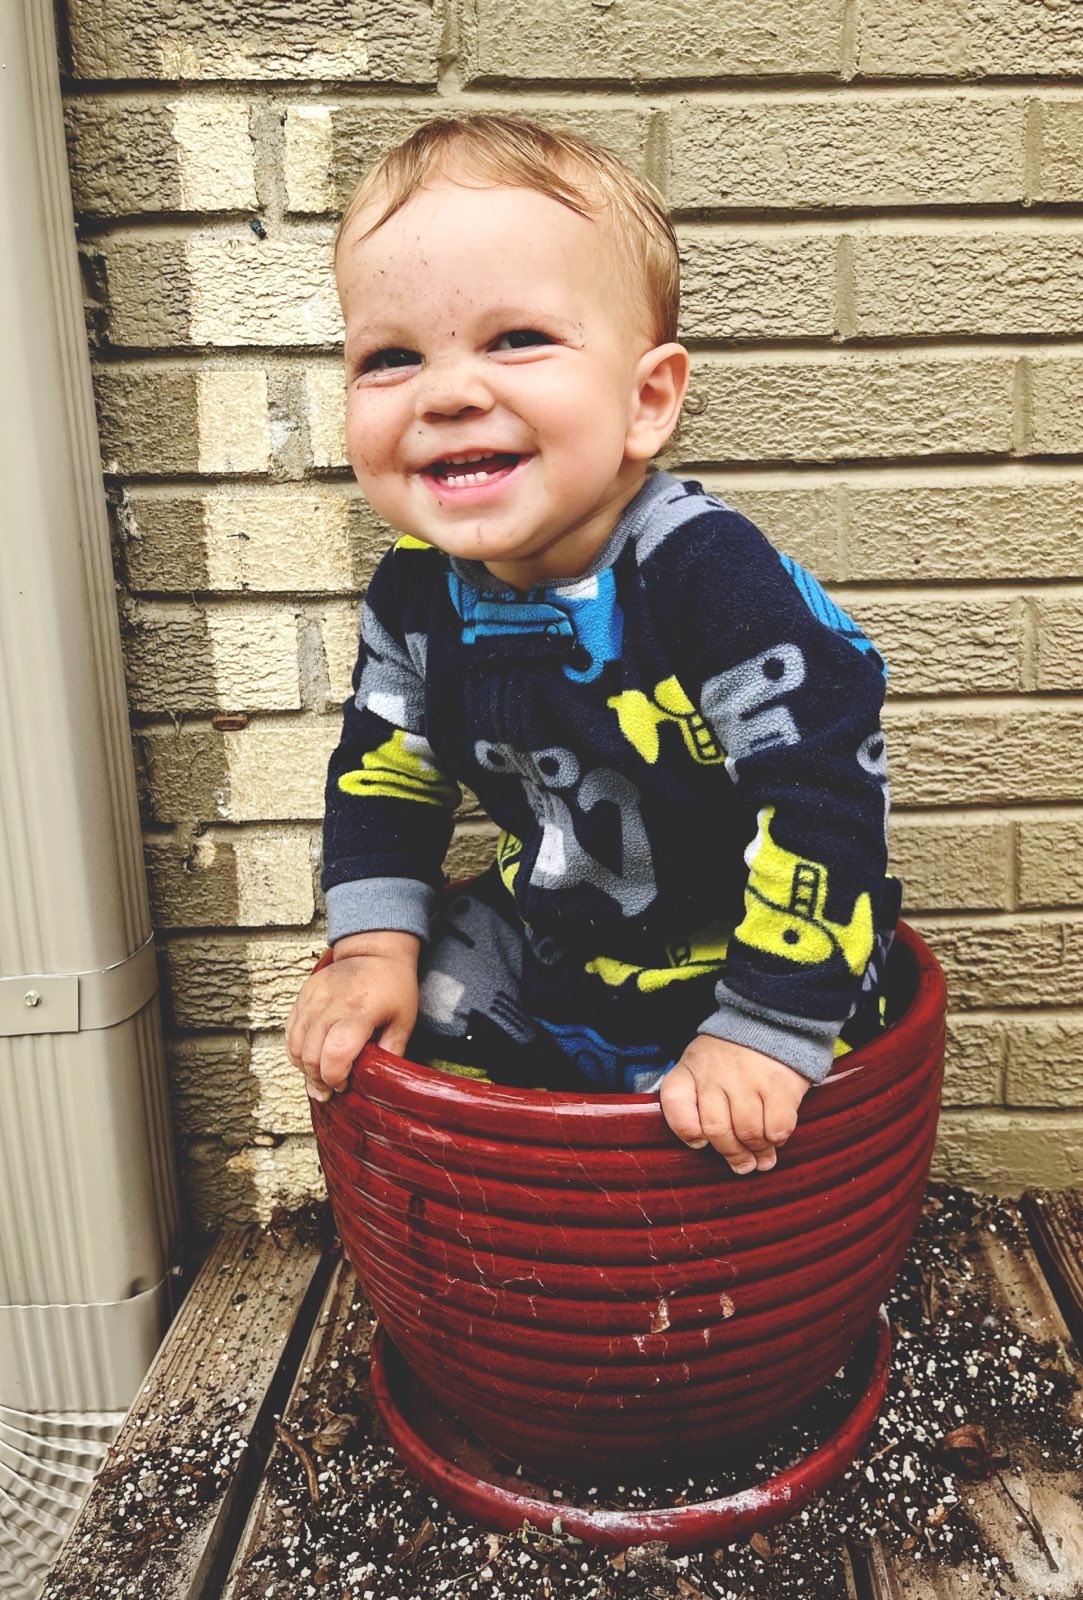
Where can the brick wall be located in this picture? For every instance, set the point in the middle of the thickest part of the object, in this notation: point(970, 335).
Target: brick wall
point(879, 208)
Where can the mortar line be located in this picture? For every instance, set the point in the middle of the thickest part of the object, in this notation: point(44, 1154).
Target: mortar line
point(1022, 407)
point(1032, 150)
point(845, 289)
point(1031, 656)
point(849, 40)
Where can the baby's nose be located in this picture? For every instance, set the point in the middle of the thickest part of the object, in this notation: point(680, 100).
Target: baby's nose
point(451, 387)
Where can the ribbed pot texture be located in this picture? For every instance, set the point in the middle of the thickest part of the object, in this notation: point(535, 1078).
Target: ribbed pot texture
point(588, 1295)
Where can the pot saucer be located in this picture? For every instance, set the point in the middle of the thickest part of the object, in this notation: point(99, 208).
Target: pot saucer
point(466, 1476)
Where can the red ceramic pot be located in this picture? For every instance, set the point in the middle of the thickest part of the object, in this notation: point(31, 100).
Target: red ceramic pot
point(588, 1295)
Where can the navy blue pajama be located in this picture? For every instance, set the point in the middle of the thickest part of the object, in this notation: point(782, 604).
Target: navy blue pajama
point(682, 749)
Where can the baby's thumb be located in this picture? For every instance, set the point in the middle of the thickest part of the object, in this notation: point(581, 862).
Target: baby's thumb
point(395, 1035)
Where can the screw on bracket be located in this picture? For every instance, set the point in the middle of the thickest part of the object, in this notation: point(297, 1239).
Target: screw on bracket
point(32, 997)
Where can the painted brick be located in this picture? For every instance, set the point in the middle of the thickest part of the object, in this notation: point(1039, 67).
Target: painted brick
point(324, 399)
point(1006, 1152)
point(147, 420)
point(986, 281)
point(270, 291)
point(329, 147)
point(216, 154)
point(395, 42)
point(340, 629)
point(910, 38)
point(228, 878)
point(1060, 174)
point(229, 541)
point(122, 157)
point(233, 982)
point(282, 1104)
point(235, 1088)
point(220, 289)
point(951, 863)
point(1005, 962)
point(847, 406)
point(156, 420)
point(1023, 525)
point(1051, 859)
point(974, 1060)
point(952, 755)
point(233, 424)
point(234, 1188)
point(817, 152)
point(946, 645)
point(1045, 1061)
point(1056, 404)
point(508, 39)
point(146, 289)
point(129, 156)
point(219, 657)
point(269, 771)
point(1014, 525)
point(1060, 642)
point(313, 186)
point(210, 1088)
point(757, 284)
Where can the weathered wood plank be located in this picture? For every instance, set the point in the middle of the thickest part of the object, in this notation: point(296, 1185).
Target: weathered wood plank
point(1056, 1223)
point(196, 1442)
point(166, 1506)
point(342, 1334)
point(1025, 1505)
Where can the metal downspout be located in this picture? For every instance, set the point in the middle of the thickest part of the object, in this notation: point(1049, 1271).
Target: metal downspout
point(88, 1215)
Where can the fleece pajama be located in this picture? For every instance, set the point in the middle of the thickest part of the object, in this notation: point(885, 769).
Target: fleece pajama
point(683, 752)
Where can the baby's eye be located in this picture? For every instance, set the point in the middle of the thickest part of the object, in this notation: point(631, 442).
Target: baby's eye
point(520, 339)
point(393, 356)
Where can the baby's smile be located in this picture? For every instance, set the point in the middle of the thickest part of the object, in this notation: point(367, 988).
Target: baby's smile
point(479, 469)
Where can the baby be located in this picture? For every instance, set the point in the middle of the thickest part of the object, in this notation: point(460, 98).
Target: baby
point(674, 727)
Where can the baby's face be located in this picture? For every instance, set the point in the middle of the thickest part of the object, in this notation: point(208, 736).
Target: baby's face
point(492, 344)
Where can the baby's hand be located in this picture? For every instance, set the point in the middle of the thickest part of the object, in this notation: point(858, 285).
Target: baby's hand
point(369, 989)
point(741, 1102)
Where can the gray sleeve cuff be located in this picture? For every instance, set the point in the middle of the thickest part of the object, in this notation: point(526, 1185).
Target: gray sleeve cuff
point(397, 905)
point(806, 1044)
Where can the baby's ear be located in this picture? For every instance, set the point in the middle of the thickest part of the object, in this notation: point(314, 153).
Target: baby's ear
point(661, 378)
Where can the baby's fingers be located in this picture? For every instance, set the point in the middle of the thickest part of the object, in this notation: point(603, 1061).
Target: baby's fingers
point(325, 1053)
point(749, 1117)
point(699, 1113)
point(724, 1131)
point(680, 1106)
point(308, 1046)
point(296, 1032)
point(342, 1044)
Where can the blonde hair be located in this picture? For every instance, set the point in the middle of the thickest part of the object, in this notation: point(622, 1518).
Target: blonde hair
point(486, 148)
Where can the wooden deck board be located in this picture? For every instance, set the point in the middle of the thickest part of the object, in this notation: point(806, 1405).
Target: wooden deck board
point(161, 1519)
point(343, 1331)
point(1056, 1223)
point(1029, 1512)
point(270, 1315)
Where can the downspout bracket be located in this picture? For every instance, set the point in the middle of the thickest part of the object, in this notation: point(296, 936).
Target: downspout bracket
point(74, 1002)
